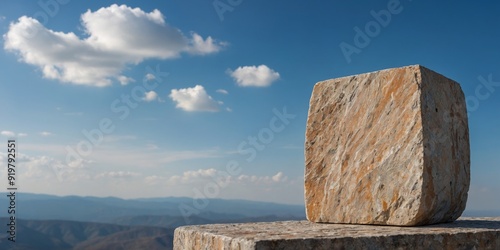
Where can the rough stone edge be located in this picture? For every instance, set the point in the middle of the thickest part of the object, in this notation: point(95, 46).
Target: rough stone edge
point(480, 238)
point(417, 66)
point(205, 239)
point(466, 240)
point(419, 78)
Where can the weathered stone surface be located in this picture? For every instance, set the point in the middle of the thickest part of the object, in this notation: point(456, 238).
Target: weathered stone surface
point(465, 233)
point(389, 147)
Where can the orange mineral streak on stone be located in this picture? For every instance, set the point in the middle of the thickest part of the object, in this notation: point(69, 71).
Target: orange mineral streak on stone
point(378, 150)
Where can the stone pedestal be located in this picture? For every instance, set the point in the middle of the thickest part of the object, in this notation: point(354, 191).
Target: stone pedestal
point(466, 233)
point(389, 147)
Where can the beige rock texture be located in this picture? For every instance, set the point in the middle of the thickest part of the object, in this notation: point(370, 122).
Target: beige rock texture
point(389, 148)
point(465, 233)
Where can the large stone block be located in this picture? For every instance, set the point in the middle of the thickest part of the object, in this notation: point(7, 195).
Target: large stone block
point(466, 233)
point(389, 147)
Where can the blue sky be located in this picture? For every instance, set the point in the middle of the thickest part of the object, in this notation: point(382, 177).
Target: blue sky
point(187, 93)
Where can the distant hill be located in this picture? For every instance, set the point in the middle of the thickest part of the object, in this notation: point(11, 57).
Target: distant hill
point(61, 235)
point(109, 209)
point(177, 221)
point(74, 222)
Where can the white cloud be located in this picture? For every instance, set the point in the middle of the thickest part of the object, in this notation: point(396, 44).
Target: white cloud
point(37, 167)
point(202, 47)
point(211, 174)
point(150, 77)
point(47, 168)
point(173, 156)
point(117, 174)
point(45, 133)
point(126, 152)
point(150, 96)
point(8, 133)
point(254, 76)
point(153, 179)
point(194, 99)
point(277, 178)
point(125, 80)
point(229, 109)
point(222, 91)
point(192, 176)
point(116, 36)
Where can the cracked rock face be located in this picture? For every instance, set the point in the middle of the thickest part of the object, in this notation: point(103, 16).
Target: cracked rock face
point(389, 147)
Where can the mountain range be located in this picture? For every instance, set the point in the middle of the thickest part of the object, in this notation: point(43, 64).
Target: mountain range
point(75, 222)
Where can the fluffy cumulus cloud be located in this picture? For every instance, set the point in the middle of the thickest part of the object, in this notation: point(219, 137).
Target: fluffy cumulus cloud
point(115, 36)
point(150, 96)
point(254, 76)
point(194, 99)
point(202, 46)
